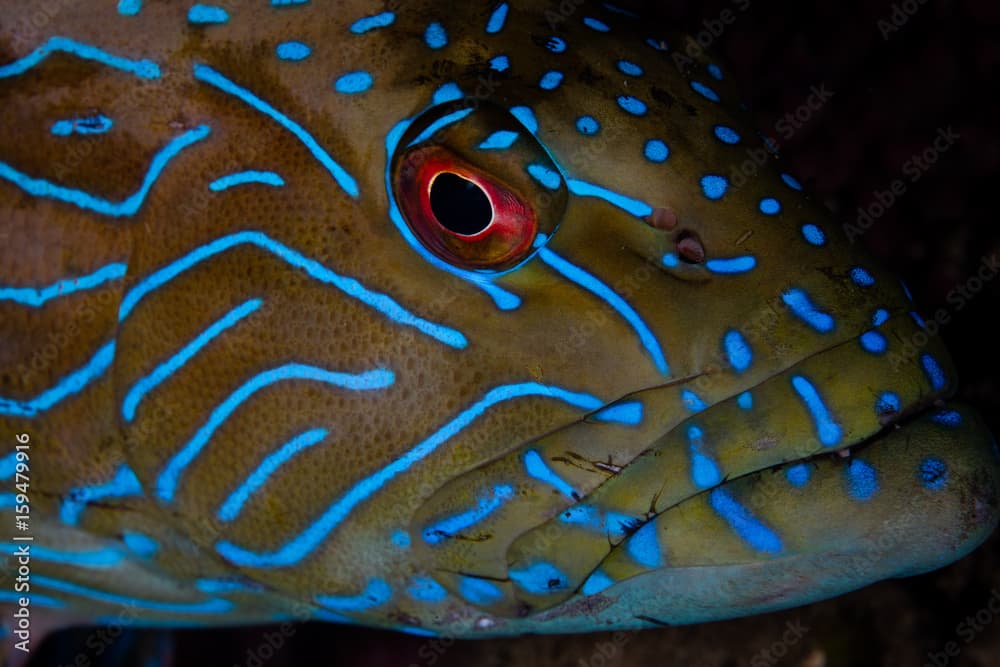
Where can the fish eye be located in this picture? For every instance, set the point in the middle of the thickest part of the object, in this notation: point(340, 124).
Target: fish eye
point(475, 187)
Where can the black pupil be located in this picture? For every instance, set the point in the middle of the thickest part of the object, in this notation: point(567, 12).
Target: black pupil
point(460, 205)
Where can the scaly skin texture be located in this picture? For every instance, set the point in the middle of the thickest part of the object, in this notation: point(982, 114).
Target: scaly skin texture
point(421, 446)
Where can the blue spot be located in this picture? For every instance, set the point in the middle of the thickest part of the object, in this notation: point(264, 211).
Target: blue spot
point(207, 14)
point(222, 586)
point(933, 473)
point(401, 539)
point(500, 140)
point(8, 465)
point(692, 401)
point(750, 529)
point(634, 206)
point(861, 277)
point(144, 69)
point(440, 124)
point(537, 468)
point(737, 350)
point(656, 151)
point(36, 297)
point(862, 480)
point(704, 472)
point(644, 546)
point(629, 67)
point(715, 72)
point(526, 116)
point(85, 200)
point(813, 234)
point(880, 317)
point(376, 593)
point(435, 36)
point(704, 91)
point(425, 589)
point(545, 176)
point(245, 177)
point(288, 3)
point(594, 24)
point(614, 300)
point(671, 260)
point(934, 372)
point(770, 206)
point(124, 484)
point(141, 545)
point(310, 538)
point(726, 135)
point(791, 182)
point(69, 385)
point(948, 418)
point(497, 19)
point(13, 598)
point(556, 44)
point(98, 124)
point(293, 51)
point(213, 606)
point(233, 505)
point(129, 7)
point(874, 342)
point(827, 429)
point(887, 404)
point(800, 304)
point(367, 23)
point(550, 80)
point(500, 63)
point(798, 475)
point(658, 44)
point(714, 186)
point(633, 105)
point(919, 320)
point(596, 582)
point(540, 578)
point(439, 531)
point(211, 77)
point(906, 290)
point(619, 10)
point(169, 478)
point(479, 591)
point(628, 412)
point(732, 265)
point(354, 82)
point(588, 125)
point(745, 400)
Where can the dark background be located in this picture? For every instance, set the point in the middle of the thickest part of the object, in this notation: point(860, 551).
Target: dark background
point(891, 98)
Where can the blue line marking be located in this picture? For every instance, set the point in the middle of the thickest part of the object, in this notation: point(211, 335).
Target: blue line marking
point(599, 26)
point(435, 36)
point(363, 25)
point(629, 412)
point(714, 186)
point(644, 546)
point(726, 134)
point(919, 320)
point(376, 593)
point(527, 118)
point(380, 302)
point(13, 598)
point(692, 401)
point(448, 92)
point(68, 386)
point(354, 83)
point(129, 7)
point(214, 78)
point(438, 532)
point(439, 124)
point(185, 354)
point(98, 124)
point(862, 480)
point(91, 558)
point(934, 372)
point(499, 140)
point(500, 63)
point(614, 525)
point(545, 176)
point(827, 429)
point(479, 591)
point(310, 538)
point(737, 350)
point(791, 182)
point(588, 125)
point(596, 582)
point(550, 80)
point(233, 505)
point(933, 473)
point(540, 578)
point(166, 484)
point(537, 468)
point(800, 304)
point(618, 10)
point(617, 303)
point(140, 544)
point(207, 15)
point(213, 606)
point(714, 71)
point(497, 19)
point(732, 265)
point(244, 177)
point(705, 91)
point(144, 69)
point(637, 208)
point(750, 529)
point(658, 44)
point(813, 234)
point(632, 105)
point(293, 51)
point(704, 471)
point(223, 586)
point(36, 297)
point(798, 475)
point(41, 188)
point(425, 589)
point(122, 485)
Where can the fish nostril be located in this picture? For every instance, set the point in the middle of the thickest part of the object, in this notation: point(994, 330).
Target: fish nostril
point(689, 247)
point(662, 218)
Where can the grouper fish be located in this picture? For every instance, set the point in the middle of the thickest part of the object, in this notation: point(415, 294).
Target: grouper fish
point(449, 318)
